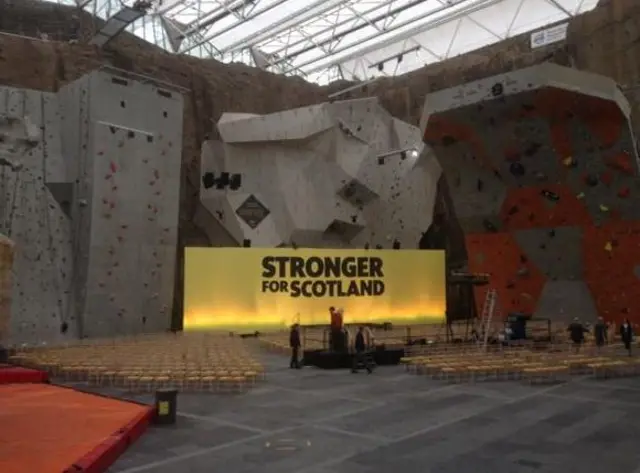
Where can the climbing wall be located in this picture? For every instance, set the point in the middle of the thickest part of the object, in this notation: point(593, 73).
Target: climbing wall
point(128, 173)
point(6, 265)
point(342, 174)
point(543, 173)
point(91, 178)
point(41, 308)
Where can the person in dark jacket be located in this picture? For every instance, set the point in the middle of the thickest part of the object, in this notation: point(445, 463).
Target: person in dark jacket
point(360, 357)
point(626, 333)
point(294, 343)
point(576, 333)
point(600, 333)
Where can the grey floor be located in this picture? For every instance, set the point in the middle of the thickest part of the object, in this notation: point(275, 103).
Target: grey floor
point(313, 421)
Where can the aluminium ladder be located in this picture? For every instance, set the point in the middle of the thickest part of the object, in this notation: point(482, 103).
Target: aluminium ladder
point(488, 311)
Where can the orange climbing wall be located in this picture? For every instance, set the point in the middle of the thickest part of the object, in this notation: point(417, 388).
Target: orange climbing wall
point(6, 263)
point(565, 162)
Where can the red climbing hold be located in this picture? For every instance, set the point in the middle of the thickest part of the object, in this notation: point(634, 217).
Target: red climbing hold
point(606, 178)
point(624, 192)
point(621, 162)
point(113, 167)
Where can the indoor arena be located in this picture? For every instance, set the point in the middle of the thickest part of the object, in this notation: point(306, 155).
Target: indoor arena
point(321, 236)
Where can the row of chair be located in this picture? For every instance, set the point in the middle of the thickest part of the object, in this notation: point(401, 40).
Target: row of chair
point(531, 367)
point(214, 363)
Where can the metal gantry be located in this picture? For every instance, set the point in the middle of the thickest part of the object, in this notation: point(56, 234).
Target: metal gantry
point(325, 40)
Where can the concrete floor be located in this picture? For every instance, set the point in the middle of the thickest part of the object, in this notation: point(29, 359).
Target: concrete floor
point(313, 421)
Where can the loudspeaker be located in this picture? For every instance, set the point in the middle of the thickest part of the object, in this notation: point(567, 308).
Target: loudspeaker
point(235, 182)
point(246, 243)
point(396, 245)
point(208, 180)
point(224, 179)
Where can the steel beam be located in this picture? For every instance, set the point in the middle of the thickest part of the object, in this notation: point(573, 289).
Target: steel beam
point(209, 38)
point(473, 6)
point(289, 21)
point(343, 34)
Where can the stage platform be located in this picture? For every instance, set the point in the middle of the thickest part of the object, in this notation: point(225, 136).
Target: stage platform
point(52, 429)
point(15, 374)
point(329, 360)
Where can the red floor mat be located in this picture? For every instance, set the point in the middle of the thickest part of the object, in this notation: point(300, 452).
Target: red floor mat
point(16, 375)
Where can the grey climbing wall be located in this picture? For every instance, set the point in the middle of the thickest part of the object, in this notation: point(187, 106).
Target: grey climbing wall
point(334, 175)
point(41, 309)
point(92, 184)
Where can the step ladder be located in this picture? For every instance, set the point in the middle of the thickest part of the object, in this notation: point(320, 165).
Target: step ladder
point(489, 309)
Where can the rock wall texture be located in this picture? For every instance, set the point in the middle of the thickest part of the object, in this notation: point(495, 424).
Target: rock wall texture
point(335, 175)
point(6, 267)
point(544, 177)
point(603, 41)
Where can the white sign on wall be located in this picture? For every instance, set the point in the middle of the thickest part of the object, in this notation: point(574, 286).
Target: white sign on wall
point(549, 36)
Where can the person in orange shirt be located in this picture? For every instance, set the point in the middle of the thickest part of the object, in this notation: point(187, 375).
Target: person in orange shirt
point(336, 341)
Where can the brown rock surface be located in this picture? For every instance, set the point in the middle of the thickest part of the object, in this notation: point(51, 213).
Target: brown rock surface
point(604, 41)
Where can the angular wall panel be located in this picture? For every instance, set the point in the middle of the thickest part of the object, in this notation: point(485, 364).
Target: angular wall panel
point(338, 174)
point(94, 207)
point(555, 144)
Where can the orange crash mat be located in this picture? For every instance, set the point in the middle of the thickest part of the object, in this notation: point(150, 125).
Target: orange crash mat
point(45, 429)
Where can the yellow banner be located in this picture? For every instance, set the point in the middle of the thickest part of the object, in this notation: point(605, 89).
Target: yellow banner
point(263, 288)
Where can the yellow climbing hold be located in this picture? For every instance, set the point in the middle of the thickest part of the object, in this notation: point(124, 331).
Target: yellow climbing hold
point(604, 208)
point(568, 161)
point(608, 246)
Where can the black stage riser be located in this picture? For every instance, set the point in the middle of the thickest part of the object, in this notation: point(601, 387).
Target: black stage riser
point(329, 360)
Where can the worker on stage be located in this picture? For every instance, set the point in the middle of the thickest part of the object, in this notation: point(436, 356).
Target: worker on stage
point(294, 343)
point(336, 335)
point(361, 357)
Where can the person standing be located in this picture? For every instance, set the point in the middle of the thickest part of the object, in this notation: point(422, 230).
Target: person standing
point(576, 333)
point(626, 333)
point(360, 355)
point(294, 343)
point(600, 333)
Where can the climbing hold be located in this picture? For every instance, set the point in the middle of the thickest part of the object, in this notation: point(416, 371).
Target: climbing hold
point(590, 180)
point(517, 169)
point(606, 178)
point(156, 174)
point(621, 162)
point(541, 176)
point(552, 196)
point(523, 271)
point(480, 185)
point(552, 233)
point(604, 208)
point(570, 162)
point(580, 196)
point(489, 226)
point(608, 246)
point(513, 210)
point(113, 167)
point(624, 192)
point(532, 149)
